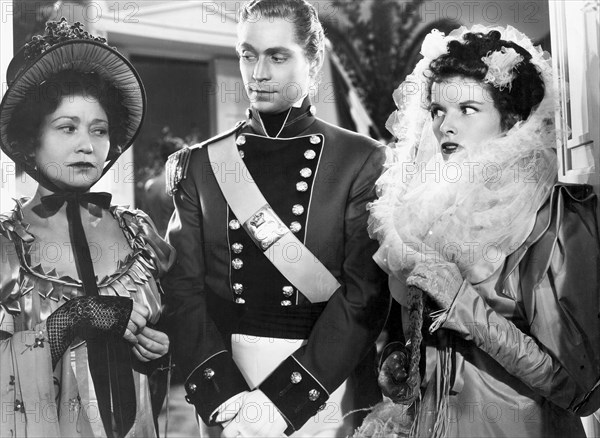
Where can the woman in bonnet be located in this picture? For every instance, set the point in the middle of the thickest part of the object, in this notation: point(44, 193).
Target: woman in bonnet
point(495, 264)
point(79, 289)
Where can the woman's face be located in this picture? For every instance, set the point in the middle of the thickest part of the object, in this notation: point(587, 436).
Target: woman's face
point(463, 113)
point(74, 143)
point(274, 67)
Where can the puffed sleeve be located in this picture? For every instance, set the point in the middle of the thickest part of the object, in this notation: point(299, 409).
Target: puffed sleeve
point(161, 252)
point(559, 281)
point(9, 282)
point(351, 321)
point(200, 352)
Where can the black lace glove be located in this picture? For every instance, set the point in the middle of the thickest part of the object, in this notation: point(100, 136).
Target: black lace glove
point(87, 318)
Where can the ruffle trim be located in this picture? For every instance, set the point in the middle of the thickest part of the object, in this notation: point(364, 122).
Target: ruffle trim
point(429, 207)
point(134, 275)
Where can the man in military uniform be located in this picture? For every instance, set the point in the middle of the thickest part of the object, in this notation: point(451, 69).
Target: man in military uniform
point(275, 301)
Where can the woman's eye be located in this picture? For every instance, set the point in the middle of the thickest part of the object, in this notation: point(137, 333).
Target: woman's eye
point(468, 110)
point(100, 132)
point(436, 112)
point(68, 129)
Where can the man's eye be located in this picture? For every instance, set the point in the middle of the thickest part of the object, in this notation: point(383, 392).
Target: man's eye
point(247, 56)
point(278, 59)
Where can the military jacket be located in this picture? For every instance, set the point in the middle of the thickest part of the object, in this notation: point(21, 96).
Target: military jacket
point(319, 179)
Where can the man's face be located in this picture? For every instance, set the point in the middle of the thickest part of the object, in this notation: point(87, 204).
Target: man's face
point(275, 70)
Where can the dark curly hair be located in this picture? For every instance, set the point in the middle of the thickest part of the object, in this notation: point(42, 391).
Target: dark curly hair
point(24, 127)
point(464, 59)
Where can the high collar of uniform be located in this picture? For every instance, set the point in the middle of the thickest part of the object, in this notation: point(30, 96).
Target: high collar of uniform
point(288, 123)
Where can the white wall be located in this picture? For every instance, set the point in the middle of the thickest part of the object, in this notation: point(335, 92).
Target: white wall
point(7, 167)
point(576, 31)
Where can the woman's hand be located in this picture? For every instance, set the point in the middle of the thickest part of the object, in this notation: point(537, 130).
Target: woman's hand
point(439, 279)
point(90, 318)
point(393, 375)
point(137, 322)
point(151, 344)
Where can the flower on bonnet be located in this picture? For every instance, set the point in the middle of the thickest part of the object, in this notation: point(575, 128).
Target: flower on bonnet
point(434, 45)
point(57, 32)
point(501, 65)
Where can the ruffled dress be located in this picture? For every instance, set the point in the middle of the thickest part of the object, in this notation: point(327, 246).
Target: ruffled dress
point(39, 401)
point(517, 353)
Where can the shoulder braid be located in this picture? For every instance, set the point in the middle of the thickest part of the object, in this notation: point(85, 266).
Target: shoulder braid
point(178, 162)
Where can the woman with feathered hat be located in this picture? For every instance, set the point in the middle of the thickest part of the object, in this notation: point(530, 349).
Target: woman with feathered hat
point(79, 290)
point(495, 261)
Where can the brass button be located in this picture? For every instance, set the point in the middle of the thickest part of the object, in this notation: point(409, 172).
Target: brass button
point(240, 300)
point(237, 263)
point(234, 224)
point(288, 291)
point(238, 288)
point(286, 303)
point(315, 139)
point(242, 154)
point(241, 140)
point(192, 387)
point(297, 209)
point(295, 227)
point(296, 377)
point(237, 248)
point(209, 373)
point(302, 186)
point(305, 172)
point(313, 395)
point(312, 110)
point(309, 154)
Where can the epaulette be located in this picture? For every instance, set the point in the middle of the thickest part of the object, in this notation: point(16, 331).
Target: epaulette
point(177, 163)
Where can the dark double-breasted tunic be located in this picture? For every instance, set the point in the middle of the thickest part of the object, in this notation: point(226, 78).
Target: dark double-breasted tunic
point(318, 178)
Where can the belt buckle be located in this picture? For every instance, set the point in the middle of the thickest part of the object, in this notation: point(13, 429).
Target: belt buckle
point(265, 228)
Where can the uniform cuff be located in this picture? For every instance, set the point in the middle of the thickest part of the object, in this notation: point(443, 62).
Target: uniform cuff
point(214, 381)
point(295, 392)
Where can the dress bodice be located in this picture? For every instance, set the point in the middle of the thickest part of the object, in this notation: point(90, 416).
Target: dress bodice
point(30, 292)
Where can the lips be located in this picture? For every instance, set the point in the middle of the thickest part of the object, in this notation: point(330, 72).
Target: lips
point(262, 92)
point(82, 165)
point(261, 95)
point(257, 89)
point(449, 147)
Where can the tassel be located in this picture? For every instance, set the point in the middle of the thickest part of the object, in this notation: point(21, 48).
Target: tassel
point(415, 416)
point(444, 369)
